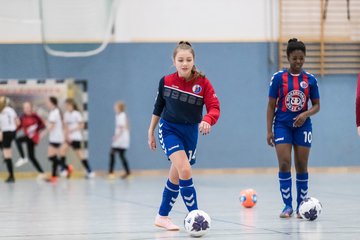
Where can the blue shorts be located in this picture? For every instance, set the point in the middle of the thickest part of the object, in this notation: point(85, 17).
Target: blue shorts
point(175, 137)
point(301, 136)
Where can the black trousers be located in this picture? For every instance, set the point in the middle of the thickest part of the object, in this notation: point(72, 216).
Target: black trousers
point(123, 159)
point(30, 149)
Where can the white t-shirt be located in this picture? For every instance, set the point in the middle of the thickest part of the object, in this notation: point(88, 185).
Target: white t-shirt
point(72, 121)
point(123, 141)
point(56, 135)
point(8, 120)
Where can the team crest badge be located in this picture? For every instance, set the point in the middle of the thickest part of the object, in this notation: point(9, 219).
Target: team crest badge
point(196, 89)
point(295, 100)
point(304, 84)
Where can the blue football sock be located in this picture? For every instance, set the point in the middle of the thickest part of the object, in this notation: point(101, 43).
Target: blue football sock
point(188, 194)
point(171, 192)
point(301, 187)
point(285, 188)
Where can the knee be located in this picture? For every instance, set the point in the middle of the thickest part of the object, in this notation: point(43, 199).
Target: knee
point(185, 172)
point(284, 166)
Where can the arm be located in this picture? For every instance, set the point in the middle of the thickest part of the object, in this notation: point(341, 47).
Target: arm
point(212, 108)
point(270, 114)
point(151, 138)
point(41, 124)
point(19, 126)
point(46, 131)
point(17, 122)
point(158, 108)
point(301, 118)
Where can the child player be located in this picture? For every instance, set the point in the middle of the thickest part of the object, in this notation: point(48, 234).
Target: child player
point(178, 114)
point(288, 122)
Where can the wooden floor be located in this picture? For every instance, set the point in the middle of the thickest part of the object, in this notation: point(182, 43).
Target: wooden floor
point(103, 209)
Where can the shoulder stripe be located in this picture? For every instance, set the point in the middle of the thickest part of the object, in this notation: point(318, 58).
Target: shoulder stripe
point(184, 91)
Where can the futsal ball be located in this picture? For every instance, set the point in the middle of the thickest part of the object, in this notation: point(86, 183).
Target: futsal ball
point(248, 198)
point(197, 223)
point(310, 208)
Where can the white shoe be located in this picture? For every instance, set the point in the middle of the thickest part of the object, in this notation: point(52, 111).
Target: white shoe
point(21, 162)
point(165, 222)
point(90, 175)
point(41, 176)
point(63, 173)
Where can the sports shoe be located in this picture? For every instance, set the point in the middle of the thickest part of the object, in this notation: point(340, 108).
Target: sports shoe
point(286, 212)
point(63, 173)
point(10, 180)
point(90, 175)
point(41, 176)
point(51, 180)
point(111, 176)
point(21, 161)
point(125, 176)
point(165, 222)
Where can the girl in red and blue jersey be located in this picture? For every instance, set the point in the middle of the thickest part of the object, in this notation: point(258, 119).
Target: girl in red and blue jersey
point(178, 114)
point(288, 122)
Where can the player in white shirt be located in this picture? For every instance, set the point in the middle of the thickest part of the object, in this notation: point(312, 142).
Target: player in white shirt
point(56, 135)
point(73, 126)
point(121, 140)
point(8, 124)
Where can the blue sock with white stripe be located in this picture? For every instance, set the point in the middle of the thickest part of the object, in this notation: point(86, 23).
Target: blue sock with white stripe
point(188, 194)
point(285, 188)
point(171, 192)
point(301, 187)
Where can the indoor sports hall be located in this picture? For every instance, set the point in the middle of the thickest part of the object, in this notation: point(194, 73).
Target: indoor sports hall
point(175, 119)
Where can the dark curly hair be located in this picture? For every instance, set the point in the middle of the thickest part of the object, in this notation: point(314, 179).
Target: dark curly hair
point(294, 44)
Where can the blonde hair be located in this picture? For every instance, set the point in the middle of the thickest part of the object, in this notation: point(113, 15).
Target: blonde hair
point(72, 102)
point(120, 105)
point(3, 102)
point(184, 45)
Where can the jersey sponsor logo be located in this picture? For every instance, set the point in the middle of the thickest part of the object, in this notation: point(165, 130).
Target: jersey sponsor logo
point(304, 84)
point(279, 139)
point(295, 100)
point(196, 89)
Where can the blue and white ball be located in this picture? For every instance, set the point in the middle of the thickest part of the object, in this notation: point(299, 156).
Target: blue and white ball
point(310, 208)
point(197, 223)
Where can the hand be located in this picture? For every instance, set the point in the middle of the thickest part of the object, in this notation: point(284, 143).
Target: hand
point(42, 134)
point(358, 130)
point(204, 128)
point(270, 139)
point(151, 141)
point(300, 119)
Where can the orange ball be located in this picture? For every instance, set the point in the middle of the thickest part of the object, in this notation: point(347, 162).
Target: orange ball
point(248, 198)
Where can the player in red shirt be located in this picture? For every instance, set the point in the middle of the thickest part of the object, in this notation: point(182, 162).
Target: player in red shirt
point(178, 114)
point(31, 125)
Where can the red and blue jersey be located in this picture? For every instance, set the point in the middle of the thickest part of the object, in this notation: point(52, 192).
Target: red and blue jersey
point(181, 101)
point(293, 93)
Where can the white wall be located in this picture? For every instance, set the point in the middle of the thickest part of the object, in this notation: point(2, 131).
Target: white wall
point(140, 20)
point(199, 20)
